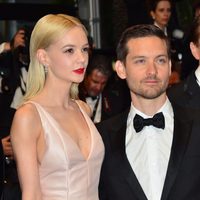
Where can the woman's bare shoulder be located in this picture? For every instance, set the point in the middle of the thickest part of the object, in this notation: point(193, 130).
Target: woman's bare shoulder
point(26, 112)
point(85, 107)
point(26, 119)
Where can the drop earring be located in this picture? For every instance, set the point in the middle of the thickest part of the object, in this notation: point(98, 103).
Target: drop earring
point(45, 69)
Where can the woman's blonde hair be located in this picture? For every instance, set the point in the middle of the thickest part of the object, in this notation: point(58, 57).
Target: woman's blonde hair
point(46, 32)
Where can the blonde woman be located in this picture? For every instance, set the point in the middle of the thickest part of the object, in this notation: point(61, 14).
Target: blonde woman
point(57, 148)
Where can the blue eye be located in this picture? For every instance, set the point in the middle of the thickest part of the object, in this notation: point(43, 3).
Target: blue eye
point(161, 61)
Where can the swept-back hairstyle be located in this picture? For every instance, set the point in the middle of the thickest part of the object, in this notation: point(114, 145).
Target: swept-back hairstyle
point(46, 31)
point(139, 31)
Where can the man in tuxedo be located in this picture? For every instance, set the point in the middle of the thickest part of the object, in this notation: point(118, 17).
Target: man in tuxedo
point(152, 149)
point(100, 89)
point(187, 92)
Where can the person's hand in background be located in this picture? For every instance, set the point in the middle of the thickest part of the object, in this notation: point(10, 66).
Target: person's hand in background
point(7, 147)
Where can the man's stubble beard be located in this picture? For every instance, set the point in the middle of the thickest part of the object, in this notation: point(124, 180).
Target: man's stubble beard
point(148, 92)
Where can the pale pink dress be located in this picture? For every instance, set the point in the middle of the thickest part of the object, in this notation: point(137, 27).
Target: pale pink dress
point(64, 173)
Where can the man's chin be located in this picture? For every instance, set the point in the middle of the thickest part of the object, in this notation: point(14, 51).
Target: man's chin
point(151, 94)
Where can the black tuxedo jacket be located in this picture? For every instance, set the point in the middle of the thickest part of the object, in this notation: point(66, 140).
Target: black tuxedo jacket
point(118, 181)
point(186, 93)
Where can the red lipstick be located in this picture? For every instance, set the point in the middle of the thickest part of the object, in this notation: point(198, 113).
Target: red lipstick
point(79, 71)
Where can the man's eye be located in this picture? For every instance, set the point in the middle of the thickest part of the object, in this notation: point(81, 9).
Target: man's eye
point(161, 61)
point(141, 61)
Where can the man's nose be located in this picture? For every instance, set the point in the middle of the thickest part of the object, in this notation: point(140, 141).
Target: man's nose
point(151, 68)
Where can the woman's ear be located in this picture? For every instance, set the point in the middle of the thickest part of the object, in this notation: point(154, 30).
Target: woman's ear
point(120, 69)
point(152, 15)
point(42, 57)
point(195, 50)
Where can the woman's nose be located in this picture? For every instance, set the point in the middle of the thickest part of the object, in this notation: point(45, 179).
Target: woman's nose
point(82, 56)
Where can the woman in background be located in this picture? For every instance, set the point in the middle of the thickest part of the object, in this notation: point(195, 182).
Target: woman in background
point(57, 148)
point(161, 11)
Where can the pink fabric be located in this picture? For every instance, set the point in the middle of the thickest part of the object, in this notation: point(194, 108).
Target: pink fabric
point(64, 173)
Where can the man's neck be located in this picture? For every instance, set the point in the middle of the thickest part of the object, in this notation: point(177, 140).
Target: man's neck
point(149, 106)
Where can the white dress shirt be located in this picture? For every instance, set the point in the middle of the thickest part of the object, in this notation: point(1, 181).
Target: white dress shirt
point(148, 151)
point(164, 30)
point(197, 74)
point(92, 103)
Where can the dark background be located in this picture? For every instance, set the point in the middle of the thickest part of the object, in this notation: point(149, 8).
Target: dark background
point(115, 15)
point(119, 14)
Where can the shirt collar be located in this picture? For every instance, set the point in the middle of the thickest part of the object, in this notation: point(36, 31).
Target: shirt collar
point(166, 109)
point(164, 30)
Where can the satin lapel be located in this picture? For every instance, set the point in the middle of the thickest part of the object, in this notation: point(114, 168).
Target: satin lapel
point(181, 136)
point(125, 170)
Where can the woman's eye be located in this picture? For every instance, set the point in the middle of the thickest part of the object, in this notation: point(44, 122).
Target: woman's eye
point(69, 51)
point(169, 10)
point(86, 49)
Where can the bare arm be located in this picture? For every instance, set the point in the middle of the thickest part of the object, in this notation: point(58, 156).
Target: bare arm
point(25, 131)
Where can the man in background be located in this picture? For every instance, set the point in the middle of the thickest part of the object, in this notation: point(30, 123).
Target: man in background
point(105, 96)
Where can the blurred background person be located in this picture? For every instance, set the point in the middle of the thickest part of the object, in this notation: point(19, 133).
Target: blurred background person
point(160, 12)
point(189, 63)
point(17, 41)
point(13, 72)
point(187, 93)
point(103, 93)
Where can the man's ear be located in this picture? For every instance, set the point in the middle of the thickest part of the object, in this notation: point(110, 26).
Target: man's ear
point(170, 66)
point(120, 69)
point(195, 51)
point(42, 57)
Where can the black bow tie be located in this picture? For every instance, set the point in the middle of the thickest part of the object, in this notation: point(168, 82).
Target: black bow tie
point(157, 120)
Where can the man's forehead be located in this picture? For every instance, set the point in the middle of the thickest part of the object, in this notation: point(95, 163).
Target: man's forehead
point(148, 44)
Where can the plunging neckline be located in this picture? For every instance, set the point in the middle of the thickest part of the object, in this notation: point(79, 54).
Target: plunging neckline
point(66, 134)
